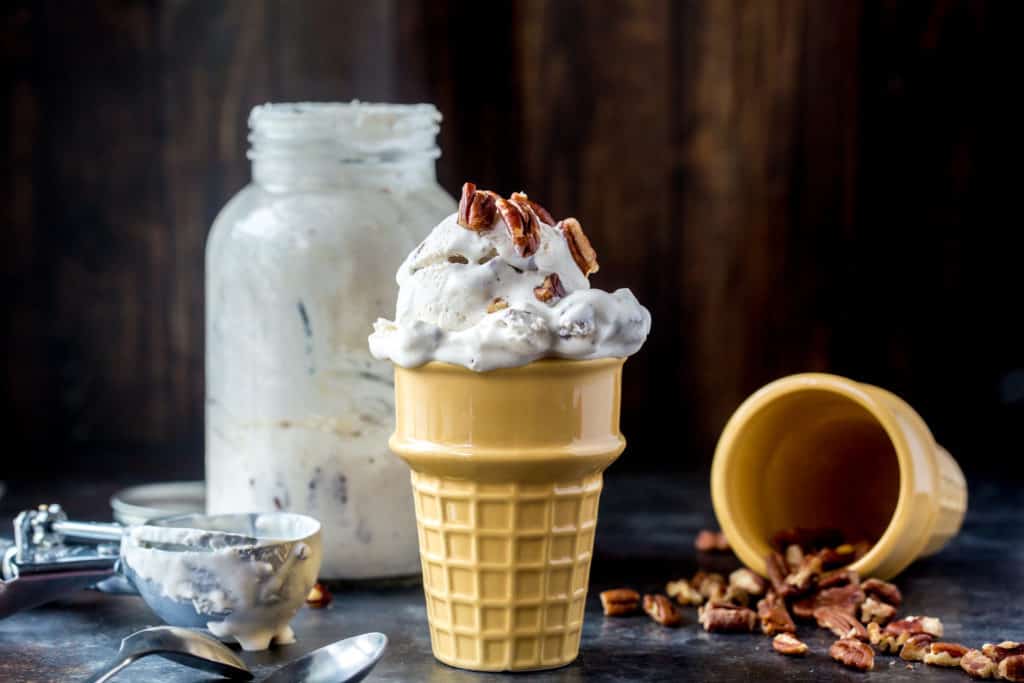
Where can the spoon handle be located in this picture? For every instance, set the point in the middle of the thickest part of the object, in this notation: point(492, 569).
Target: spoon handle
point(110, 670)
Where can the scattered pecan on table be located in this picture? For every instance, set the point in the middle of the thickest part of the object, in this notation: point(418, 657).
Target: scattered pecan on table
point(661, 609)
point(853, 654)
point(788, 644)
point(619, 601)
point(319, 596)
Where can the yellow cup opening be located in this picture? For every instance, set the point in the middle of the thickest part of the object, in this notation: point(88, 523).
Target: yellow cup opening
point(811, 458)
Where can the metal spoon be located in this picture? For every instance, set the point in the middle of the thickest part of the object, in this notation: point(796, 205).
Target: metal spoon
point(345, 661)
point(181, 645)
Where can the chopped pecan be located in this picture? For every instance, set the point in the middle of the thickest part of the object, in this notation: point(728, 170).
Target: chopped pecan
point(838, 577)
point(853, 654)
point(522, 226)
point(771, 610)
point(911, 625)
point(884, 591)
point(998, 653)
point(496, 305)
point(776, 569)
point(661, 609)
point(550, 289)
point(1012, 669)
point(542, 213)
point(886, 642)
point(794, 556)
point(708, 541)
point(619, 601)
point(319, 596)
point(477, 209)
point(807, 539)
point(840, 623)
point(579, 247)
point(839, 556)
point(975, 663)
point(847, 598)
point(788, 644)
point(735, 595)
point(684, 593)
point(804, 608)
point(723, 617)
point(944, 654)
point(458, 258)
point(916, 647)
point(876, 611)
point(711, 585)
point(805, 578)
point(748, 581)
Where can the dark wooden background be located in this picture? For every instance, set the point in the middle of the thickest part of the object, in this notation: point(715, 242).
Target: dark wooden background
point(792, 185)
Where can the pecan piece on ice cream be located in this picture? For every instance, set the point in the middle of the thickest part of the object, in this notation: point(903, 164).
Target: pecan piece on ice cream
point(477, 209)
point(522, 226)
point(583, 254)
point(542, 213)
point(550, 290)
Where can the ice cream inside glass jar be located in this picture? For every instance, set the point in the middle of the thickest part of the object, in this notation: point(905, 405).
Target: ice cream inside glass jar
point(299, 263)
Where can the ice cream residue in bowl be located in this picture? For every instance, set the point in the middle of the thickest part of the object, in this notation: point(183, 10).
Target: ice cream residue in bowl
point(241, 576)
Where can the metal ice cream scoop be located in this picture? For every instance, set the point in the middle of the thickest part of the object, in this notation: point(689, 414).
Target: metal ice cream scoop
point(240, 575)
point(181, 645)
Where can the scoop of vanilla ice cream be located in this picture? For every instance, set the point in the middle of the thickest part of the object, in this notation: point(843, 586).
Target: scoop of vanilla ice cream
point(449, 282)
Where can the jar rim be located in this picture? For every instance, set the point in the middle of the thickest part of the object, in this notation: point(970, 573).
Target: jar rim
point(356, 130)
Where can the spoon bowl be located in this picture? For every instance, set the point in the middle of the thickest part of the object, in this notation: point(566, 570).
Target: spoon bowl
point(181, 645)
point(348, 660)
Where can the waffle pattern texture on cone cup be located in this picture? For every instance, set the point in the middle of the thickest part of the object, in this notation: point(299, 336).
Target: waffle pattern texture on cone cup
point(506, 474)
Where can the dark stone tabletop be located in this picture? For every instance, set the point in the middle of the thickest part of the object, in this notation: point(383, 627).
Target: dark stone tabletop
point(645, 532)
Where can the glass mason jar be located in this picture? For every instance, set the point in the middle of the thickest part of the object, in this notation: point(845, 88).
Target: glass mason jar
point(298, 266)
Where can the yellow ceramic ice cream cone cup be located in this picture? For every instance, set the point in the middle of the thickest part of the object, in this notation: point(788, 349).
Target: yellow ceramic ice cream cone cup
point(506, 473)
point(821, 451)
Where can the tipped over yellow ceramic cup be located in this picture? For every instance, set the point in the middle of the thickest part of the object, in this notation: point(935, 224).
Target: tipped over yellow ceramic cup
point(506, 473)
point(822, 451)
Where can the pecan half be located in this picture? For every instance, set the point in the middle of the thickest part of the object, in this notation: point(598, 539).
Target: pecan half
point(722, 617)
point(838, 577)
point(876, 611)
point(542, 213)
point(776, 569)
point(684, 593)
point(839, 556)
point(885, 642)
point(911, 625)
point(788, 644)
point(550, 289)
point(736, 596)
point(977, 665)
point(579, 246)
point(619, 601)
point(853, 654)
point(944, 654)
point(916, 647)
point(711, 585)
point(804, 608)
point(661, 609)
point(884, 591)
point(709, 541)
point(847, 598)
point(1012, 669)
point(522, 226)
point(998, 653)
point(794, 556)
point(840, 623)
point(749, 582)
point(805, 578)
point(496, 305)
point(477, 209)
point(319, 596)
point(771, 610)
